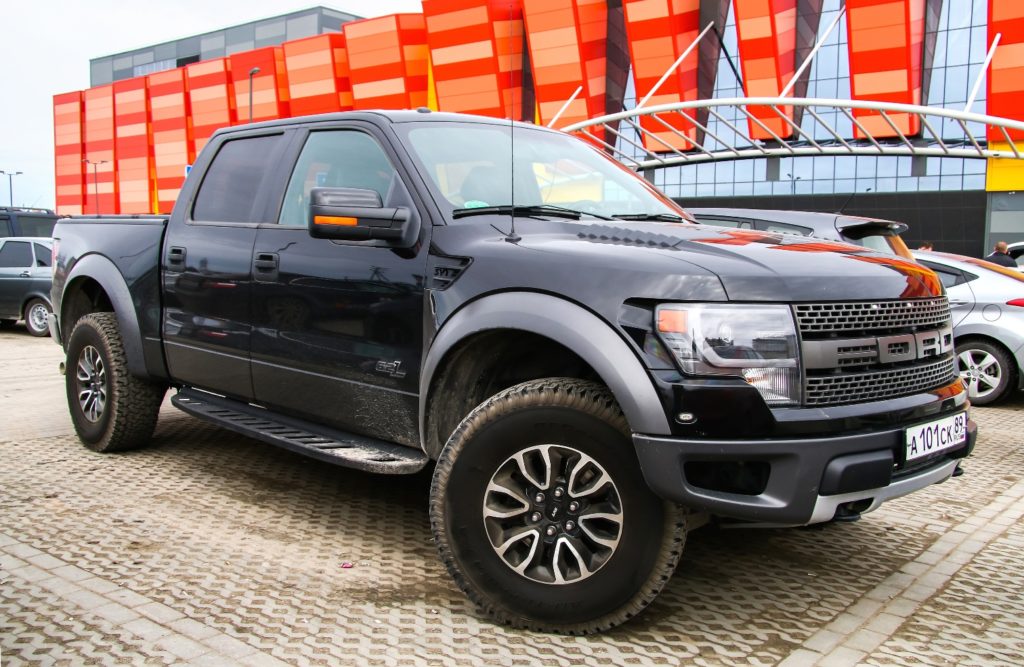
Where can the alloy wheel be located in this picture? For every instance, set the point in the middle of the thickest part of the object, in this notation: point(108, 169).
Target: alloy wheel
point(92, 383)
point(980, 372)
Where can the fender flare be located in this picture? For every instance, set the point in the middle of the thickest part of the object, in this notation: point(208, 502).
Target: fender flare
point(106, 273)
point(564, 322)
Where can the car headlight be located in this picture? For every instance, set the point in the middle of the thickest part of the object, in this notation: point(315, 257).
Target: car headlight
point(755, 342)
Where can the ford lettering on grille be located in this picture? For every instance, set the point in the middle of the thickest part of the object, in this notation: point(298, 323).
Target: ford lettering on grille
point(898, 348)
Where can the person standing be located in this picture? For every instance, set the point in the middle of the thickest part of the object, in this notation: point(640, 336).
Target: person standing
point(1001, 257)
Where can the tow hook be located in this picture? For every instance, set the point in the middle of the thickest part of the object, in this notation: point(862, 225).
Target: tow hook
point(957, 471)
point(63, 369)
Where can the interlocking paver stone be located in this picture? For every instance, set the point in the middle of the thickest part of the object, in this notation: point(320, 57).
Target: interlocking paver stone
point(227, 549)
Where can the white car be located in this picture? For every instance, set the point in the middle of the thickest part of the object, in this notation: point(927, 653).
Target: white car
point(1016, 251)
point(987, 301)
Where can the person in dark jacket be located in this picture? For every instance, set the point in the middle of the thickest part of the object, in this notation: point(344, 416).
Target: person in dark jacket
point(1000, 256)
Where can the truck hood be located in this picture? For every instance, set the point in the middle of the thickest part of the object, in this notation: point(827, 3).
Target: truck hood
point(751, 265)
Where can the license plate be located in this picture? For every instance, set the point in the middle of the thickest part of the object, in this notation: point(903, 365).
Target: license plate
point(936, 436)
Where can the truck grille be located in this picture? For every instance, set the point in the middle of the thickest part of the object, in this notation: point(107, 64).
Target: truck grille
point(825, 318)
point(876, 349)
point(877, 385)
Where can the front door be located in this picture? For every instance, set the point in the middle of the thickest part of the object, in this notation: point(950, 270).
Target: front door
point(337, 327)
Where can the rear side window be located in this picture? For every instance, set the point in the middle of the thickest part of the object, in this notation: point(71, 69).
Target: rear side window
point(15, 254)
point(5, 226)
point(43, 255)
point(35, 226)
point(231, 187)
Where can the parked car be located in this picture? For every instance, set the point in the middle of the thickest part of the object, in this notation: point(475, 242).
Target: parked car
point(23, 221)
point(579, 358)
point(987, 302)
point(881, 235)
point(1016, 251)
point(25, 277)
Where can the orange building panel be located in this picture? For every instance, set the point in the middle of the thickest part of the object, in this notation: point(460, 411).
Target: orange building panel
point(388, 61)
point(317, 70)
point(766, 32)
point(886, 44)
point(659, 32)
point(173, 149)
point(212, 98)
point(476, 52)
point(133, 143)
point(269, 85)
point(1005, 87)
point(101, 189)
point(68, 136)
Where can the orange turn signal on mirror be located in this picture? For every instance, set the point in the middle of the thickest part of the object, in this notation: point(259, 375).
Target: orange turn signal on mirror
point(335, 220)
point(671, 321)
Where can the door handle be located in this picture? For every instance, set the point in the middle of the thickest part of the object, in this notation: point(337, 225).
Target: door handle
point(176, 255)
point(25, 274)
point(265, 261)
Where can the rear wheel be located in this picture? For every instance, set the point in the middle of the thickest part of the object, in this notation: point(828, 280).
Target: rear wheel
point(542, 516)
point(987, 370)
point(111, 409)
point(37, 314)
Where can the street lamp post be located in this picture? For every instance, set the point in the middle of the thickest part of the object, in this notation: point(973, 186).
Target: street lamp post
point(253, 72)
point(10, 182)
point(792, 184)
point(95, 180)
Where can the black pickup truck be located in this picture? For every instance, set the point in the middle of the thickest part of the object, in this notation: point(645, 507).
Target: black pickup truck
point(588, 371)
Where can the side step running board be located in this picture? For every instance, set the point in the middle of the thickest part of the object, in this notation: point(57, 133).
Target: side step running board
point(337, 447)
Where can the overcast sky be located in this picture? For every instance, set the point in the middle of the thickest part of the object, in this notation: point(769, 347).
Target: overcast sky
point(46, 48)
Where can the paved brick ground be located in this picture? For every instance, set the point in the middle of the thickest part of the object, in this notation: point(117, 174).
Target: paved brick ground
point(208, 548)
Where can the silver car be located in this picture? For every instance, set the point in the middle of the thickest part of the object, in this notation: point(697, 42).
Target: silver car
point(1016, 251)
point(987, 301)
point(25, 275)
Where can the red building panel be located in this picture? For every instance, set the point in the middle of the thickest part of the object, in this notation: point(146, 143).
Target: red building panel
point(68, 138)
point(101, 189)
point(269, 85)
point(659, 31)
point(766, 32)
point(388, 61)
point(173, 148)
point(886, 43)
point(133, 143)
point(317, 69)
point(1005, 88)
point(476, 51)
point(212, 98)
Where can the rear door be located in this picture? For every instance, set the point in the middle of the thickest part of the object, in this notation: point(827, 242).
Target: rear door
point(207, 266)
point(338, 326)
point(16, 264)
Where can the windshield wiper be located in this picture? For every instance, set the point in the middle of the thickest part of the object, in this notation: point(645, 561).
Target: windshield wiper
point(526, 210)
point(659, 217)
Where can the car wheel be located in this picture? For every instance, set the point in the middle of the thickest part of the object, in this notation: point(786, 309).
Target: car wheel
point(542, 516)
point(987, 371)
point(111, 409)
point(37, 314)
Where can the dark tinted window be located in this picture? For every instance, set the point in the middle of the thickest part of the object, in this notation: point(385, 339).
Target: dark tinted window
point(15, 254)
point(43, 255)
point(231, 184)
point(950, 277)
point(31, 225)
point(5, 226)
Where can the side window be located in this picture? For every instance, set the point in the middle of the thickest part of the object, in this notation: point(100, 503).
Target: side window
point(949, 277)
point(335, 159)
point(725, 222)
point(5, 226)
point(43, 255)
point(35, 226)
point(783, 228)
point(230, 188)
point(15, 254)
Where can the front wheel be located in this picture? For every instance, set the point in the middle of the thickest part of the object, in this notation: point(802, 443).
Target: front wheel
point(111, 409)
point(987, 370)
point(542, 516)
point(37, 315)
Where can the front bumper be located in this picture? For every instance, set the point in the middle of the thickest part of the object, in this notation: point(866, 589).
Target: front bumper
point(790, 482)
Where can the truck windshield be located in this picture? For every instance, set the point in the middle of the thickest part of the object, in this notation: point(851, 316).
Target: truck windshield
point(483, 166)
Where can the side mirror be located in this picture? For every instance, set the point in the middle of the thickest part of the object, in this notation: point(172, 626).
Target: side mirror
point(355, 214)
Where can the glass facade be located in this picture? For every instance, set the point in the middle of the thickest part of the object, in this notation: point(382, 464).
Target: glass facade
point(216, 44)
point(960, 48)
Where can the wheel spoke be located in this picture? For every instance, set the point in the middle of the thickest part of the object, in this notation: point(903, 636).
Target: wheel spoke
point(520, 459)
point(987, 362)
point(609, 542)
point(489, 508)
point(965, 359)
point(560, 578)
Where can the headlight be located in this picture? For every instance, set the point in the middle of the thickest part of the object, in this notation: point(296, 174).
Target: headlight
point(757, 343)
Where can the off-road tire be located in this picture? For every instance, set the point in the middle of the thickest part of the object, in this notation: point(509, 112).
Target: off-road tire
point(131, 405)
point(1007, 368)
point(563, 412)
point(37, 328)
